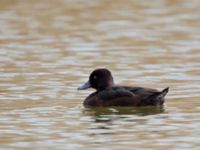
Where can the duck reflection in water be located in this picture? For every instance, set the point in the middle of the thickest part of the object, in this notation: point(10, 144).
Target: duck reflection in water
point(104, 120)
point(123, 111)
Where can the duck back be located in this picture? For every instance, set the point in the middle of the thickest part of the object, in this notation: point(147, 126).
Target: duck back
point(126, 96)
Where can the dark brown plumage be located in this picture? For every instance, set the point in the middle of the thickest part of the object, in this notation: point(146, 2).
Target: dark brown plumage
point(107, 94)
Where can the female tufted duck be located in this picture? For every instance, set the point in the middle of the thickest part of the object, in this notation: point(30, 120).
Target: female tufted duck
point(107, 94)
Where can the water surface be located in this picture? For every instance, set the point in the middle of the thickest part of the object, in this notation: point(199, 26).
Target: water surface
point(48, 48)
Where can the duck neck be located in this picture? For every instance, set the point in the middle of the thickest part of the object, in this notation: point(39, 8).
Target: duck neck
point(108, 85)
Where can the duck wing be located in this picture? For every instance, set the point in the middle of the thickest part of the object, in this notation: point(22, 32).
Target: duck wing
point(149, 96)
point(117, 96)
point(114, 92)
point(126, 96)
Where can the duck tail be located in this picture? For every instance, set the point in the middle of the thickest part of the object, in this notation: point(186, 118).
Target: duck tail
point(165, 91)
point(159, 98)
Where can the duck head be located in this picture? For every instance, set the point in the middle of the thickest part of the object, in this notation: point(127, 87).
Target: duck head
point(99, 79)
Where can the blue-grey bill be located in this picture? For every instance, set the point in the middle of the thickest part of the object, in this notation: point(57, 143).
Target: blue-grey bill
point(85, 86)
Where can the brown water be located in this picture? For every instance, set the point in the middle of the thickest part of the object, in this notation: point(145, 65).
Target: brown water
point(48, 48)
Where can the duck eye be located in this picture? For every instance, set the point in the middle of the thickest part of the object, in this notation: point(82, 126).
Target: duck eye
point(95, 77)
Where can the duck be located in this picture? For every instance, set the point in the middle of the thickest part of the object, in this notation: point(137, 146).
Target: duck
point(108, 94)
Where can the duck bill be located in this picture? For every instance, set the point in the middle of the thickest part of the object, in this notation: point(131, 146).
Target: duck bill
point(87, 85)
